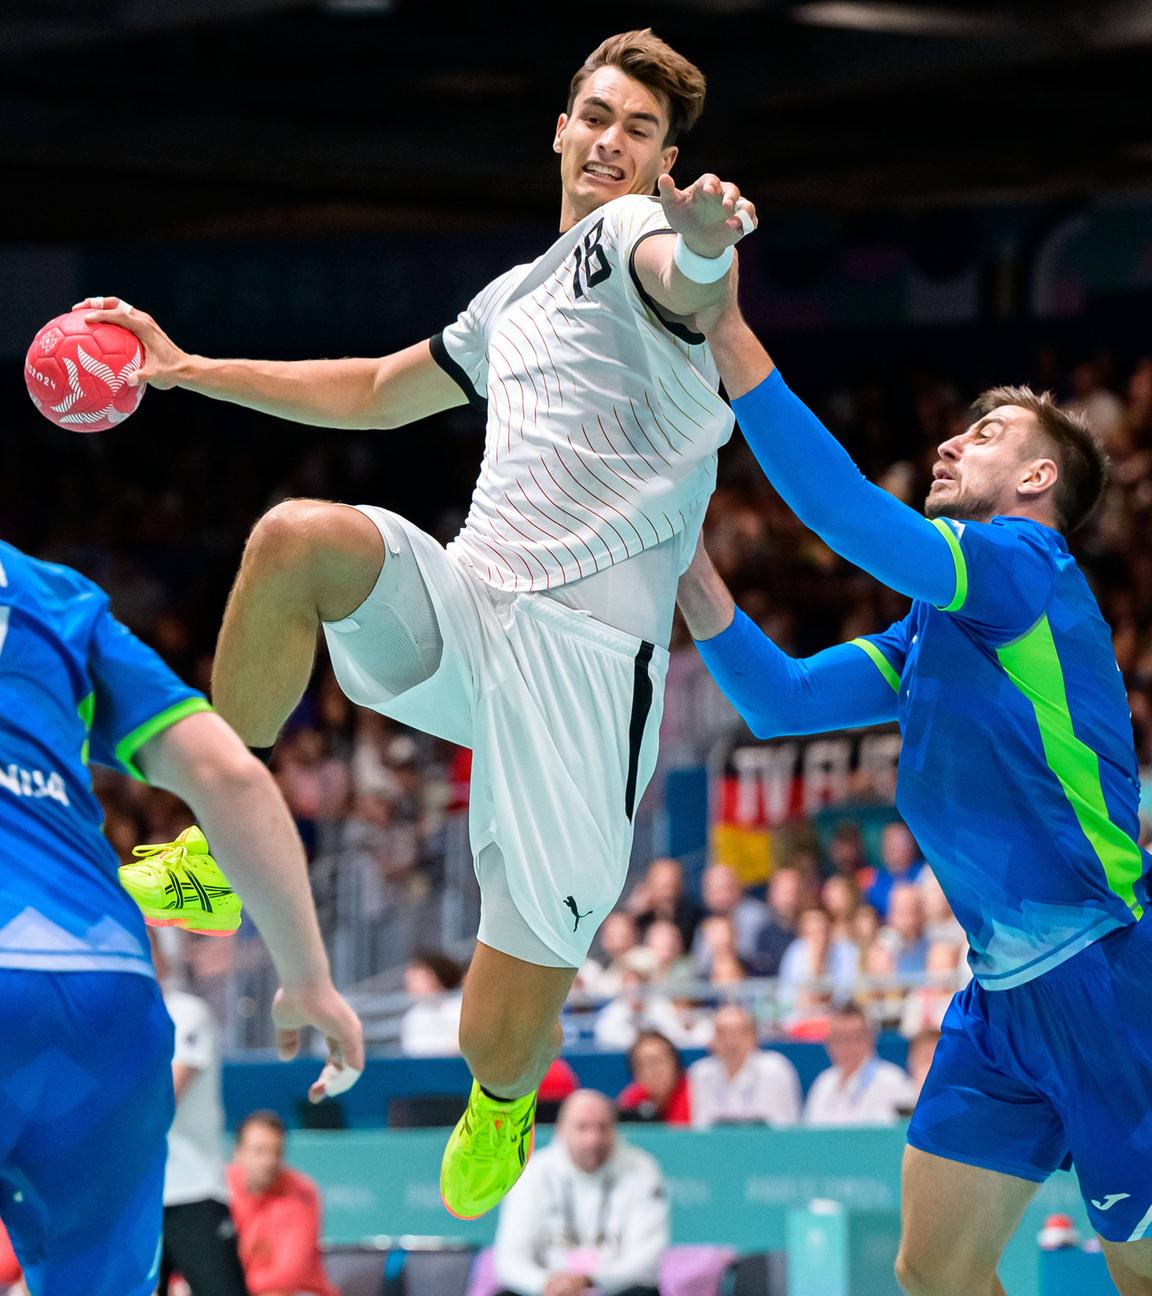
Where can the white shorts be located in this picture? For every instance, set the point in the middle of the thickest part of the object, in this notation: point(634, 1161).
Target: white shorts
point(562, 714)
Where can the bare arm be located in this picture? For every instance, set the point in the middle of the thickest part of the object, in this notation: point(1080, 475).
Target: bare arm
point(255, 842)
point(387, 392)
point(703, 598)
point(704, 215)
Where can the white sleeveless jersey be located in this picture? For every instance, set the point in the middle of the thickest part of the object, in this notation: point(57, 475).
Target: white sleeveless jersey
point(603, 413)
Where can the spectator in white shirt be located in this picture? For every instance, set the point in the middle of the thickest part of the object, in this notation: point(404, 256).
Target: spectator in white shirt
point(590, 1211)
point(199, 1238)
point(431, 1027)
point(739, 1082)
point(858, 1088)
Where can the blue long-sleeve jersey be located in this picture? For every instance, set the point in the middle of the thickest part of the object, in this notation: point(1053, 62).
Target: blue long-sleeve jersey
point(1018, 773)
point(75, 686)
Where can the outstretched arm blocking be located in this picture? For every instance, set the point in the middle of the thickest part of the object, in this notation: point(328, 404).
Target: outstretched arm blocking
point(844, 687)
point(818, 481)
point(840, 688)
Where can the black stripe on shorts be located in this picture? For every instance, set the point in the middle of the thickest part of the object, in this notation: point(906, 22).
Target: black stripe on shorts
point(641, 706)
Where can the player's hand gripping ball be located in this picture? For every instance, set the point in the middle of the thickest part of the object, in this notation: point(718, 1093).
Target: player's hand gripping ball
point(78, 374)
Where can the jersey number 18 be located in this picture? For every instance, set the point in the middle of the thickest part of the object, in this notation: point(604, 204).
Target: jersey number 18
point(591, 260)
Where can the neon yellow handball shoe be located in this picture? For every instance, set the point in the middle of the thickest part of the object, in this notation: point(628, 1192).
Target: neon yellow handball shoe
point(178, 884)
point(487, 1153)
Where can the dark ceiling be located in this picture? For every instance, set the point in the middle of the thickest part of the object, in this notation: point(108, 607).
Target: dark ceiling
point(263, 115)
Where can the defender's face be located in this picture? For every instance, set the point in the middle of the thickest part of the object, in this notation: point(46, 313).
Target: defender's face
point(612, 143)
point(977, 474)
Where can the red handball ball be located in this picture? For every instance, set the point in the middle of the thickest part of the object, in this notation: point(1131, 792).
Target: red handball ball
point(77, 373)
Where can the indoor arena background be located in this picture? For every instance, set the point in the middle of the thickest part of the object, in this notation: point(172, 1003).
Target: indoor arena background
point(951, 197)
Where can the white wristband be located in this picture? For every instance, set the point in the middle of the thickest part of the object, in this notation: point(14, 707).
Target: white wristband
point(701, 269)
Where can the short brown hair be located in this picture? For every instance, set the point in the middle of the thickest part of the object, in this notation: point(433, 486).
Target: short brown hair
point(1081, 459)
point(265, 1116)
point(647, 59)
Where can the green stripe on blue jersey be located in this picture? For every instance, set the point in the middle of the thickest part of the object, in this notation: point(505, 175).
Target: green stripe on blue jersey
point(1032, 663)
point(883, 665)
point(131, 743)
point(961, 595)
point(86, 709)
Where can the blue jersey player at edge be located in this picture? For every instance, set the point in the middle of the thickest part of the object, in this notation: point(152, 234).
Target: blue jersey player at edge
point(85, 1060)
point(1018, 777)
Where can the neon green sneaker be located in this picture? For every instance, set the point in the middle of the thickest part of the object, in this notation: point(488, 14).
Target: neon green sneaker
point(178, 884)
point(487, 1153)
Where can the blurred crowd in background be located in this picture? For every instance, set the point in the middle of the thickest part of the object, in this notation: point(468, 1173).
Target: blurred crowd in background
point(161, 526)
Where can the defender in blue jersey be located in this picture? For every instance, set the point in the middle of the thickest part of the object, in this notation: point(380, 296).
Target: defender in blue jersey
point(85, 1057)
point(1018, 778)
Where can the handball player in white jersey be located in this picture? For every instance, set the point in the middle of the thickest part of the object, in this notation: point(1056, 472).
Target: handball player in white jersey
point(538, 638)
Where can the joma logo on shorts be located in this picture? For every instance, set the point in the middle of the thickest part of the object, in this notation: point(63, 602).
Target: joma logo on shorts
point(1108, 1202)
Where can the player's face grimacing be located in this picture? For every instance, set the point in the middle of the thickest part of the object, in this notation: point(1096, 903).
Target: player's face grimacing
point(990, 469)
point(611, 144)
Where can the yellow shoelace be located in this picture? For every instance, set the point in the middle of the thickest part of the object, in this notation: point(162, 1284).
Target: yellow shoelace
point(148, 852)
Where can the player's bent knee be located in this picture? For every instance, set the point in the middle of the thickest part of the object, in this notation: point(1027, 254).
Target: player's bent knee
point(904, 1275)
point(921, 1276)
point(329, 553)
point(283, 536)
point(912, 1279)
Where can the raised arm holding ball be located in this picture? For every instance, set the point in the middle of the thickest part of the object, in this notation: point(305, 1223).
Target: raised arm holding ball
point(603, 423)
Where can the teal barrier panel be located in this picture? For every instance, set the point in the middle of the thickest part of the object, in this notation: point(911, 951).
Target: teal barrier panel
point(732, 1186)
point(837, 1252)
point(1075, 1273)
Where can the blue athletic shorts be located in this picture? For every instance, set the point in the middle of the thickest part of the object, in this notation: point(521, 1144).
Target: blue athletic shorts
point(85, 1104)
point(1054, 1073)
